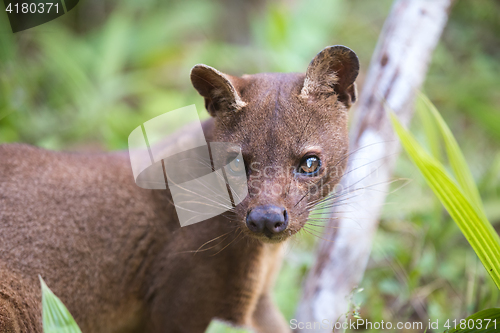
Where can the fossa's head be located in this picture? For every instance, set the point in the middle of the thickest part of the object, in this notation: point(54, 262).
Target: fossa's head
point(292, 130)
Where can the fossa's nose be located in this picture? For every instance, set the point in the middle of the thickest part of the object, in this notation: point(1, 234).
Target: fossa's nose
point(268, 219)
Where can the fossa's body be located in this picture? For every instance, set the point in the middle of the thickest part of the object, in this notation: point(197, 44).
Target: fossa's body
point(115, 253)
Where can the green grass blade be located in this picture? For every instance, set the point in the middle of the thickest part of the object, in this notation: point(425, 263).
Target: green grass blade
point(456, 158)
point(56, 318)
point(473, 224)
point(485, 321)
point(432, 133)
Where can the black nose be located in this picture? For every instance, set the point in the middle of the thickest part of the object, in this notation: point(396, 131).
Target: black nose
point(267, 219)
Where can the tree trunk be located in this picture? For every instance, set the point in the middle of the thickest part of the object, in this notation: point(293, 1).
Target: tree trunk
point(396, 72)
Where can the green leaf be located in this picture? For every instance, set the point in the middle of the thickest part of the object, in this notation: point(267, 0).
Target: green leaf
point(483, 321)
point(456, 158)
point(56, 318)
point(466, 214)
point(432, 133)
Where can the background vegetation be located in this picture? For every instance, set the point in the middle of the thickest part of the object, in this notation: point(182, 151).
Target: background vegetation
point(85, 80)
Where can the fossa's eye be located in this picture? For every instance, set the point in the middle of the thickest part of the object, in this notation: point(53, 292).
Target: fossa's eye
point(310, 165)
point(236, 166)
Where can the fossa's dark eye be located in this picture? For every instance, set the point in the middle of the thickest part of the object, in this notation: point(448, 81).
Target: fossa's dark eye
point(310, 165)
point(236, 165)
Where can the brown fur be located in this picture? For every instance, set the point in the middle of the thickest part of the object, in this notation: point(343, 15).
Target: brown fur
point(115, 253)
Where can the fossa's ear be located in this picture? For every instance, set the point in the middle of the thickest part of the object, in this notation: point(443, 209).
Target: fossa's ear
point(219, 92)
point(333, 70)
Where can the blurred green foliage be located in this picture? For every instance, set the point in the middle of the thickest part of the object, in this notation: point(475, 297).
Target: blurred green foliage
point(85, 80)
point(457, 191)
